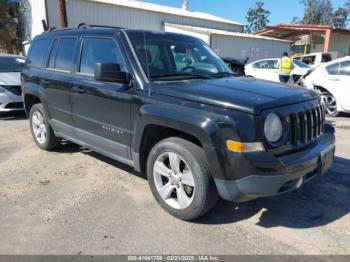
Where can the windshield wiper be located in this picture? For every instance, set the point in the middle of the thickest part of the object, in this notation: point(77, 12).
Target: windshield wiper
point(222, 74)
point(170, 74)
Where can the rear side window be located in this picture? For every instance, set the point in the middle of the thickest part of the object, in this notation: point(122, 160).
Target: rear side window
point(37, 54)
point(309, 60)
point(344, 68)
point(266, 64)
point(100, 50)
point(326, 58)
point(62, 53)
point(333, 69)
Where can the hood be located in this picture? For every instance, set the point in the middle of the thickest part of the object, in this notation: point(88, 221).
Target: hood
point(244, 94)
point(10, 79)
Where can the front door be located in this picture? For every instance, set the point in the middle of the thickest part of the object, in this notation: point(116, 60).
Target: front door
point(101, 110)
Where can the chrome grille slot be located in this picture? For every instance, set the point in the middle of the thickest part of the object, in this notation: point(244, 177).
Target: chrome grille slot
point(306, 126)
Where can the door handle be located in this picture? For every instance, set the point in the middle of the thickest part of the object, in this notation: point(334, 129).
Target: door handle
point(79, 90)
point(334, 79)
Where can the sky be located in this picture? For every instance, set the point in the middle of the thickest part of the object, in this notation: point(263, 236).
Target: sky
point(282, 11)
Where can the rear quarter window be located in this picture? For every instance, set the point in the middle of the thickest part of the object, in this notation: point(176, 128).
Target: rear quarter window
point(38, 52)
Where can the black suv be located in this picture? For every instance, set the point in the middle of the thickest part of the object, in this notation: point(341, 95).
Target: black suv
point(168, 106)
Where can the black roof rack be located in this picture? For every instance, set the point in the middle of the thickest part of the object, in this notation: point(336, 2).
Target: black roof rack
point(81, 26)
point(54, 29)
point(84, 25)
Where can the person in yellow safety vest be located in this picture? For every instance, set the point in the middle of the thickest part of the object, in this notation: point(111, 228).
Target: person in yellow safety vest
point(285, 67)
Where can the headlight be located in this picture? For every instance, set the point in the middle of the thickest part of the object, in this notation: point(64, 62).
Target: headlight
point(2, 90)
point(273, 128)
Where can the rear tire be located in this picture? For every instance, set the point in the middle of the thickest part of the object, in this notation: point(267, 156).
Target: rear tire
point(179, 178)
point(331, 104)
point(42, 132)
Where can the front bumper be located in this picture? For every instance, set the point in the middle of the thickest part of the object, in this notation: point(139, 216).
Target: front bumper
point(293, 171)
point(10, 102)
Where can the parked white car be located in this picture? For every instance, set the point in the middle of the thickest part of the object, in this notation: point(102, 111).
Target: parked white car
point(333, 80)
point(10, 82)
point(266, 69)
point(314, 59)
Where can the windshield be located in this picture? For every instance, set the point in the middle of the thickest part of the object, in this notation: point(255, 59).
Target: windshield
point(10, 64)
point(171, 57)
point(300, 64)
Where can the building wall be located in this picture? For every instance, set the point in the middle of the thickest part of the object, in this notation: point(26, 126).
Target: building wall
point(242, 47)
point(79, 11)
point(340, 44)
point(339, 47)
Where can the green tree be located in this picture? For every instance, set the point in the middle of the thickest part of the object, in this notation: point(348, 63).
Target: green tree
point(257, 18)
point(340, 17)
point(319, 12)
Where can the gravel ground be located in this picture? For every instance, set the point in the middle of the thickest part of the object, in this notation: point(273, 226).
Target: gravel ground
point(74, 201)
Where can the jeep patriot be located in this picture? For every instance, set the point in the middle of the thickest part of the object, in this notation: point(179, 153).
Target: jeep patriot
point(168, 106)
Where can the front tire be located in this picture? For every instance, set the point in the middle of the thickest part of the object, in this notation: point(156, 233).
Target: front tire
point(179, 178)
point(42, 132)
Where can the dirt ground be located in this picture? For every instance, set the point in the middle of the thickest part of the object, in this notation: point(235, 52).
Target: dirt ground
point(74, 201)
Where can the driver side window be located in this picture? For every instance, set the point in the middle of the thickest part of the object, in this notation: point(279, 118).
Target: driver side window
point(99, 50)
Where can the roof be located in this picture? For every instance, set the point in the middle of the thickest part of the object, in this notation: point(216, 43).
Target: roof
point(167, 10)
point(287, 30)
point(99, 30)
point(314, 53)
point(209, 31)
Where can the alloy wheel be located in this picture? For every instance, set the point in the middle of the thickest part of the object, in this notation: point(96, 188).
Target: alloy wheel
point(331, 104)
point(39, 128)
point(174, 180)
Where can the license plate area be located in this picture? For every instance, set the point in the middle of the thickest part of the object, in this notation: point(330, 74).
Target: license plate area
point(326, 159)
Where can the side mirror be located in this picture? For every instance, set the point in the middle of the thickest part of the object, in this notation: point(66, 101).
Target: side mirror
point(110, 72)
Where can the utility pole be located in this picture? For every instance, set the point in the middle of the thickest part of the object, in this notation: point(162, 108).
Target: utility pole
point(63, 13)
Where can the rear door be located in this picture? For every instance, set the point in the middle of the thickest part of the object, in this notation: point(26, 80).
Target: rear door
point(57, 81)
point(101, 110)
point(337, 82)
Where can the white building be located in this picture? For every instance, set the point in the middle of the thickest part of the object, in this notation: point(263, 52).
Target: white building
point(223, 35)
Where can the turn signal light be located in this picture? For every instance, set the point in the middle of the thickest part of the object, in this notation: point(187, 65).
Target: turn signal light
point(240, 147)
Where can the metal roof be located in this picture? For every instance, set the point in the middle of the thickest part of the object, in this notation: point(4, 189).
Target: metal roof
point(289, 30)
point(166, 9)
point(209, 31)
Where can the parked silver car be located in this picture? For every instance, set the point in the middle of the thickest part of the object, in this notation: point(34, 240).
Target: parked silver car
point(10, 82)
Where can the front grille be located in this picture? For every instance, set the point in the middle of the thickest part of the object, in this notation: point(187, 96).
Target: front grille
point(14, 105)
point(17, 90)
point(306, 126)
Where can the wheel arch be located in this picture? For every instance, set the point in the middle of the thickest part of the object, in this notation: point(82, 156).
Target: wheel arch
point(156, 123)
point(33, 94)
